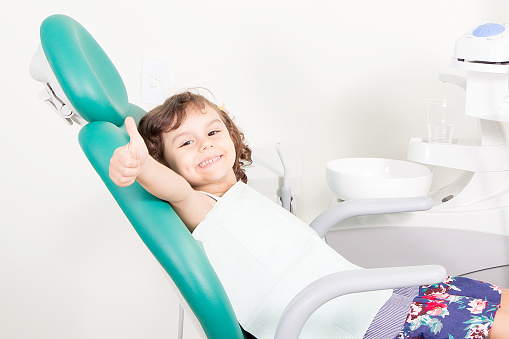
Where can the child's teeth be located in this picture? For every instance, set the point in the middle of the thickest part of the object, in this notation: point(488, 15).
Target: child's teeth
point(205, 163)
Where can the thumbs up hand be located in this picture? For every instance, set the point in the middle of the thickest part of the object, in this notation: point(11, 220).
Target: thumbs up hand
point(128, 161)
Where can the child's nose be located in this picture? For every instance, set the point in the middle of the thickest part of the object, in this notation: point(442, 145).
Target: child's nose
point(206, 144)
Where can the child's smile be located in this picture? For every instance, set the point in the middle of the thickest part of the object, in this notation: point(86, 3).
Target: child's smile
point(209, 162)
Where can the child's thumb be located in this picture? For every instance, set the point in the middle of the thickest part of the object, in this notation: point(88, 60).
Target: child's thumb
point(136, 141)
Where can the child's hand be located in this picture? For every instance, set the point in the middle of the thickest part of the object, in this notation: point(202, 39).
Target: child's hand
point(128, 161)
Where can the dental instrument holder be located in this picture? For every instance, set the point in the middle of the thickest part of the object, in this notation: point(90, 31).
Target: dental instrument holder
point(286, 198)
point(276, 173)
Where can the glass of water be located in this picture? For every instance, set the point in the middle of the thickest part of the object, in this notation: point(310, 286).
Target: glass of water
point(441, 118)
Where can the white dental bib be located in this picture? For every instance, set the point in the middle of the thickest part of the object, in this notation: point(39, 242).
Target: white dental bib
point(264, 256)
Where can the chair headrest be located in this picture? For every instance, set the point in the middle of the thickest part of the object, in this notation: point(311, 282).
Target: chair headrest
point(85, 74)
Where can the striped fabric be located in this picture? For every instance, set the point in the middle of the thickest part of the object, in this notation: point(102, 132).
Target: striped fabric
point(390, 318)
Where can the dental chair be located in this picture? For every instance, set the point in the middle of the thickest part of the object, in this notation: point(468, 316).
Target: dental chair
point(83, 86)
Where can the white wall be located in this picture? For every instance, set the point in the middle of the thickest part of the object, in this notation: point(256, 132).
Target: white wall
point(328, 78)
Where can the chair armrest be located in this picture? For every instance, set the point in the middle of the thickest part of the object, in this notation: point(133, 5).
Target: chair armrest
point(353, 208)
point(337, 284)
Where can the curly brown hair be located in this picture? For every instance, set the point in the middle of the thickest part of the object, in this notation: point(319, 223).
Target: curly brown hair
point(170, 115)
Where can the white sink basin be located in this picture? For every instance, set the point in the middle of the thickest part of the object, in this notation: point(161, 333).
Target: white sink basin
point(366, 178)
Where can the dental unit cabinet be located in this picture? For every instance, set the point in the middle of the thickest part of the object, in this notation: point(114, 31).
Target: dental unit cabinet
point(467, 230)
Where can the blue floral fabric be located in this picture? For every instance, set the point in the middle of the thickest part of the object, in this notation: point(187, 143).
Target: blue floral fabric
point(457, 308)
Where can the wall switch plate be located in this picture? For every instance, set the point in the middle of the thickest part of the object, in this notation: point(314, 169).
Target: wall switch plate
point(155, 80)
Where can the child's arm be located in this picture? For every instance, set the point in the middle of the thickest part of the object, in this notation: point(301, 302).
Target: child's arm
point(132, 162)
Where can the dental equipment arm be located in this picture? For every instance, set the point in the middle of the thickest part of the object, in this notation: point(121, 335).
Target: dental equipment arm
point(337, 284)
point(354, 208)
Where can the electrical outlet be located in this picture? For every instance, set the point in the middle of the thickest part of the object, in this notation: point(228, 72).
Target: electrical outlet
point(155, 80)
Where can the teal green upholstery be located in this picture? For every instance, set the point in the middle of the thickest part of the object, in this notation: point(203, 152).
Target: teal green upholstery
point(86, 74)
point(97, 92)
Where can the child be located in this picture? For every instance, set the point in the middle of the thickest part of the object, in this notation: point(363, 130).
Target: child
point(190, 153)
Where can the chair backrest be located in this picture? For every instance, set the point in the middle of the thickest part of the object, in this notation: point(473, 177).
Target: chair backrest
point(88, 84)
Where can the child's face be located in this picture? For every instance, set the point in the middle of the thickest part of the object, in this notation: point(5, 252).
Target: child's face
point(201, 149)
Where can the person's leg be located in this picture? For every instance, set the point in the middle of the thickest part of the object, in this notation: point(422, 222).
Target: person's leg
point(504, 301)
point(500, 328)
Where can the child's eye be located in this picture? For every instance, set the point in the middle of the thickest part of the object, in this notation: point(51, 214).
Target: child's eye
point(211, 133)
point(187, 143)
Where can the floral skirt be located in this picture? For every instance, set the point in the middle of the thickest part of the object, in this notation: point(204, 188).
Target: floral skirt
point(456, 308)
